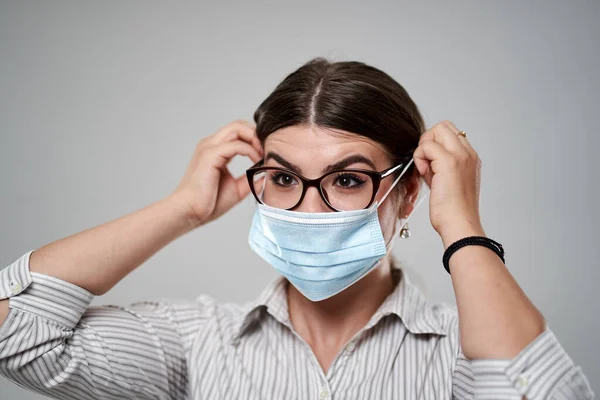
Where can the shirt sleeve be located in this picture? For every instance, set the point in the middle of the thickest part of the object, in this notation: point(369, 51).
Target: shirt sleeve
point(541, 371)
point(53, 343)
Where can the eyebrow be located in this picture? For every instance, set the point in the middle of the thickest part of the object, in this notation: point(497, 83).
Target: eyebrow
point(355, 159)
point(274, 156)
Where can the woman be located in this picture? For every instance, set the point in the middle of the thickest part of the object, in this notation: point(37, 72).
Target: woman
point(335, 183)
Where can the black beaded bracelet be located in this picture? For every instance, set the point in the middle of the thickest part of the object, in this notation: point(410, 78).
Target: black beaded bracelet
point(476, 240)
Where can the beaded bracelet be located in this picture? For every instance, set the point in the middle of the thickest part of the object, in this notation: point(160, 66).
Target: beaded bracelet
point(472, 240)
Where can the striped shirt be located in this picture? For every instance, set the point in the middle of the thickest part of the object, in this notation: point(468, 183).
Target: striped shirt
point(54, 343)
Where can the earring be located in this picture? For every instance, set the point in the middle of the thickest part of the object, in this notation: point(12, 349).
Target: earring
point(405, 231)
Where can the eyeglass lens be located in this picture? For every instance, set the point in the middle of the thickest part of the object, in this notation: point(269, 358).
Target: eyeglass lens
point(343, 190)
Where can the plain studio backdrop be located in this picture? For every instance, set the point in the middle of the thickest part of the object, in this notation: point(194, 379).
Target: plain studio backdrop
point(102, 104)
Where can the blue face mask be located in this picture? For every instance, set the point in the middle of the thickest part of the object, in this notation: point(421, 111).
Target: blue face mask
point(321, 254)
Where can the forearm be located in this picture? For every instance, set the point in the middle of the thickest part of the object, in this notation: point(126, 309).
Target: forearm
point(98, 258)
point(497, 320)
point(53, 335)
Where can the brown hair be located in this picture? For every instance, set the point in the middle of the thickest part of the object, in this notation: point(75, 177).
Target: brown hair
point(349, 96)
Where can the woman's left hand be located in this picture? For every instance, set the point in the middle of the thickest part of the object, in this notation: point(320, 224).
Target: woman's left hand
point(452, 169)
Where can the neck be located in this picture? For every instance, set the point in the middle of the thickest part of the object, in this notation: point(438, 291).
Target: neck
point(334, 321)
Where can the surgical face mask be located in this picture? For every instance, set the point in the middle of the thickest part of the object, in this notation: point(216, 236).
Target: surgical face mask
point(322, 254)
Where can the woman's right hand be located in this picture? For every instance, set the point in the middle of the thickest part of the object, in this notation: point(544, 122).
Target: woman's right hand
point(207, 188)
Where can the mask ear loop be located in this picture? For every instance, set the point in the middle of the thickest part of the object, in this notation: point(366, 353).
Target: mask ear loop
point(378, 203)
point(404, 221)
point(399, 227)
point(390, 244)
point(262, 191)
point(423, 188)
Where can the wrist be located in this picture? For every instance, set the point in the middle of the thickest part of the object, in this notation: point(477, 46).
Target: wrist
point(459, 231)
point(182, 211)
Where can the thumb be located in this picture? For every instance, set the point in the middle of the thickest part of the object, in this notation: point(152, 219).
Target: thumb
point(243, 188)
point(423, 166)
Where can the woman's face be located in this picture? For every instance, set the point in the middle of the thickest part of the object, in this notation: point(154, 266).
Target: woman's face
point(311, 150)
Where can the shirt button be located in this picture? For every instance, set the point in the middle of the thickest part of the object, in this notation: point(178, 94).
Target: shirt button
point(324, 394)
point(351, 346)
point(522, 382)
point(15, 287)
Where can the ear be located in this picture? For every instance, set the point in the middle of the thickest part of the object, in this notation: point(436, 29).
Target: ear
point(411, 194)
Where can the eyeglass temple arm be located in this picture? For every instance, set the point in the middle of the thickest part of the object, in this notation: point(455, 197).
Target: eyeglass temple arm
point(397, 167)
point(256, 165)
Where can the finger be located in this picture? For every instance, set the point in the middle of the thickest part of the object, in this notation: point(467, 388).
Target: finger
point(229, 190)
point(467, 145)
point(424, 170)
point(450, 125)
point(242, 186)
point(226, 151)
point(434, 154)
point(232, 129)
point(445, 135)
point(462, 139)
point(238, 130)
point(247, 134)
point(224, 131)
point(427, 135)
point(437, 134)
point(465, 142)
point(422, 165)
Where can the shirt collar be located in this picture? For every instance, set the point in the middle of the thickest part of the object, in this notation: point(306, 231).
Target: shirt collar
point(272, 300)
point(406, 301)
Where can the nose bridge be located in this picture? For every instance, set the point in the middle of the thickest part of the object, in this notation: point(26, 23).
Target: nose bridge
point(312, 201)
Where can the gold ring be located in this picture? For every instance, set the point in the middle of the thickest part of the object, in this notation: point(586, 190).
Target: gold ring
point(462, 133)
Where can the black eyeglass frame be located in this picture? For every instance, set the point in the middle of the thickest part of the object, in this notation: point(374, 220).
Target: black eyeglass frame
point(377, 177)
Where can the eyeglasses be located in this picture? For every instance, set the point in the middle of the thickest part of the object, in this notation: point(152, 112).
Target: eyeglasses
point(342, 190)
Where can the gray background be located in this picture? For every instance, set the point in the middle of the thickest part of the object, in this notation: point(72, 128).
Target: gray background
point(102, 104)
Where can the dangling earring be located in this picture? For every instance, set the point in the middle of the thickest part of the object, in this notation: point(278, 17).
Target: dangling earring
point(405, 231)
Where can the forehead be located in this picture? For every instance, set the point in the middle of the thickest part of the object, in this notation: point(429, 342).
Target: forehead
point(301, 140)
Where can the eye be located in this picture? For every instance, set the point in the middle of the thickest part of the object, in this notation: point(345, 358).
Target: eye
point(283, 179)
point(348, 180)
